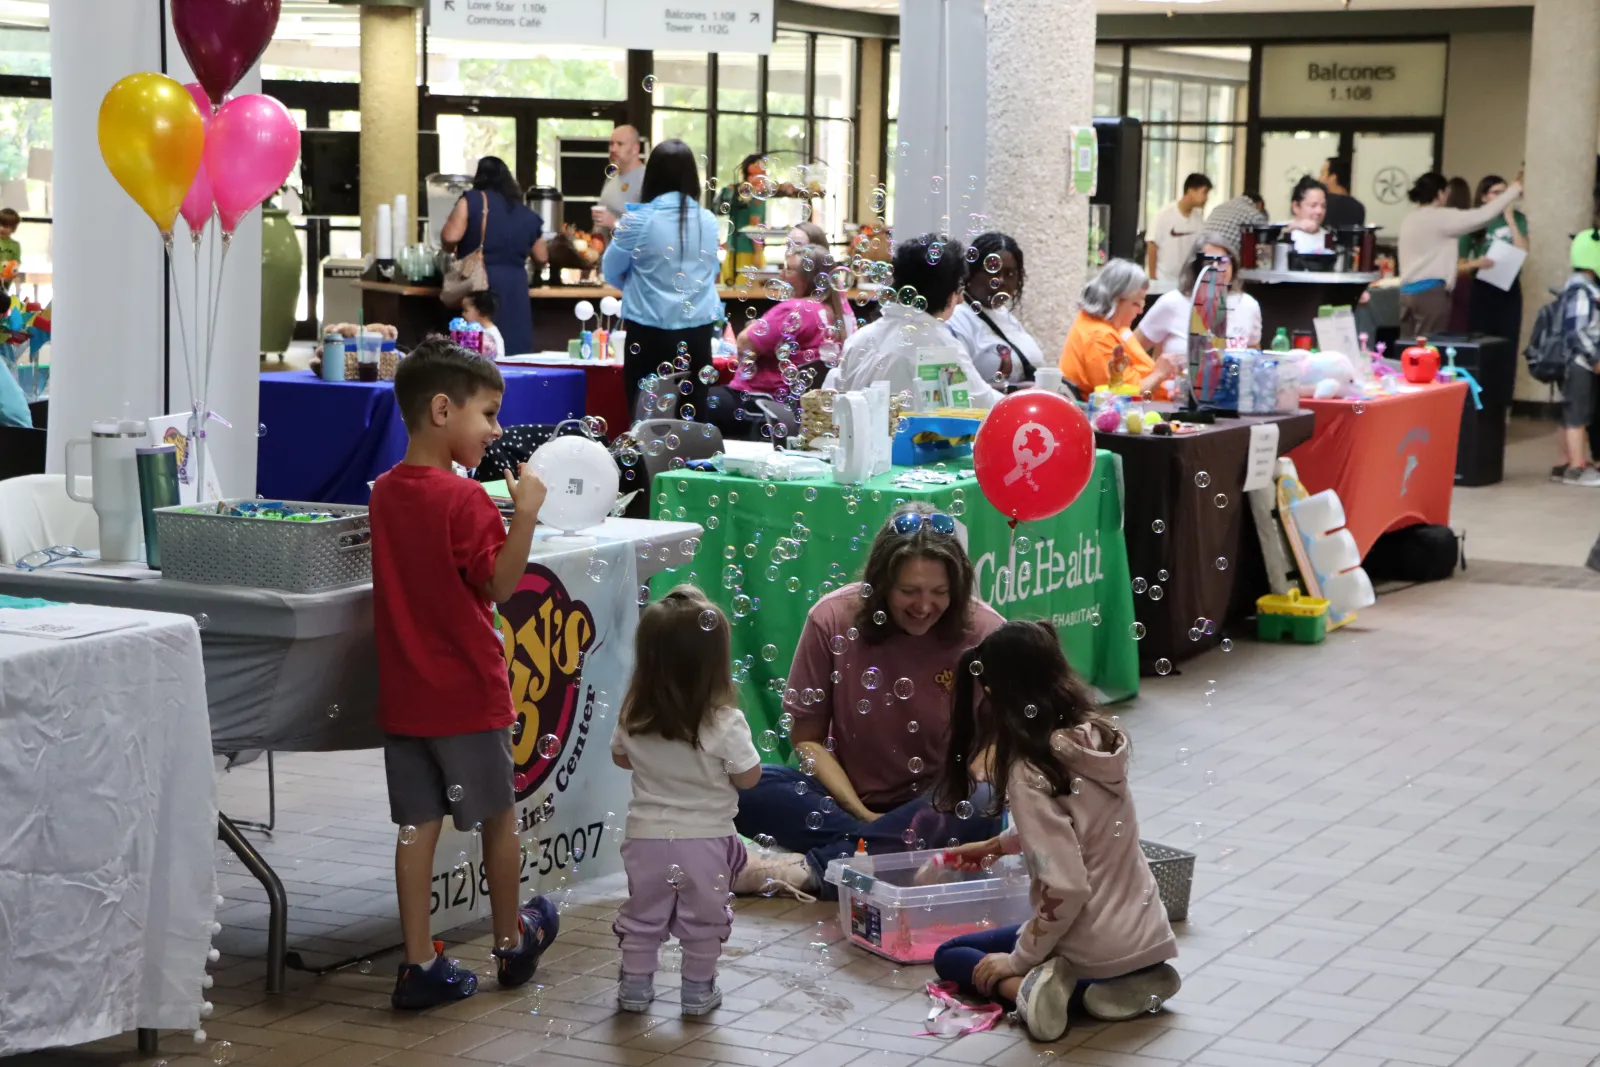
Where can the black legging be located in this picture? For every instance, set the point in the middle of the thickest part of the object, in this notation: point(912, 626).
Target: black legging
point(651, 346)
point(723, 408)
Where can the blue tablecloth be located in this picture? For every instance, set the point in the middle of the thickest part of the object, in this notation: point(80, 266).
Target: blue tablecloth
point(324, 441)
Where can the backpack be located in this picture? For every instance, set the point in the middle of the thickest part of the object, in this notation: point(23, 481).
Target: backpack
point(1547, 346)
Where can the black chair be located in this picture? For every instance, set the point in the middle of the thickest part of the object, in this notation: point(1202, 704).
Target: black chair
point(781, 421)
point(21, 451)
point(516, 445)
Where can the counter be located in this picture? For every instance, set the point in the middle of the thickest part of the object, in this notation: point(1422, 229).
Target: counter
point(416, 311)
point(1290, 298)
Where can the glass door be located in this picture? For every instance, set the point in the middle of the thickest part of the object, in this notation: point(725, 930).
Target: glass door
point(1382, 168)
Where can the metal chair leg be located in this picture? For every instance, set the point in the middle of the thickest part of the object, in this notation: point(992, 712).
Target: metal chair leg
point(149, 1042)
point(277, 902)
point(272, 803)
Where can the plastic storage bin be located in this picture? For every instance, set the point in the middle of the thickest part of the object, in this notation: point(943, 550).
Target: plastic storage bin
point(887, 913)
point(199, 545)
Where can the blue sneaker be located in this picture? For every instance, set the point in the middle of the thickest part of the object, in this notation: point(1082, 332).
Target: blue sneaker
point(539, 922)
point(440, 982)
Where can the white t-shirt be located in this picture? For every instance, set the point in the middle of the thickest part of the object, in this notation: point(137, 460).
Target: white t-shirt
point(494, 346)
point(1173, 235)
point(984, 345)
point(1167, 322)
point(682, 791)
point(887, 351)
point(1309, 242)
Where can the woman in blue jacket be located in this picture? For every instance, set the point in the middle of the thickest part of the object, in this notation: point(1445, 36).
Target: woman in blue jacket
point(664, 259)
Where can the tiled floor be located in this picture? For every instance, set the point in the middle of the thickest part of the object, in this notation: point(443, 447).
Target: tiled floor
point(1399, 864)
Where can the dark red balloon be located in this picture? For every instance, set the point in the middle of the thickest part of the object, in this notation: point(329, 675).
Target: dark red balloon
point(1033, 455)
point(222, 39)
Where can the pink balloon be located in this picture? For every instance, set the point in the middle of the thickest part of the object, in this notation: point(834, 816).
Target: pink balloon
point(197, 205)
point(251, 146)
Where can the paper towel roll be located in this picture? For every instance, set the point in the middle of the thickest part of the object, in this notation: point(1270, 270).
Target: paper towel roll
point(402, 222)
point(385, 233)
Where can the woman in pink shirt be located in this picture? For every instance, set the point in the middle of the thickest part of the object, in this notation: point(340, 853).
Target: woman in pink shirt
point(869, 694)
point(812, 326)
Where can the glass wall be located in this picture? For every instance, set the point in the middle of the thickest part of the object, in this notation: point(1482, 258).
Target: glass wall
point(1193, 101)
point(891, 128)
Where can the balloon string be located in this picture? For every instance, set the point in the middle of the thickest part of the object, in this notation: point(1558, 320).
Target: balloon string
point(177, 304)
point(194, 245)
point(211, 340)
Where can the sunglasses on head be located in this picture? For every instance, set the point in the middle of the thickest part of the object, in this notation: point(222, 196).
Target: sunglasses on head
point(910, 522)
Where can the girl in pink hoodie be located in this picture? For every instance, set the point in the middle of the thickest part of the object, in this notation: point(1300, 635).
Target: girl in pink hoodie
point(1099, 933)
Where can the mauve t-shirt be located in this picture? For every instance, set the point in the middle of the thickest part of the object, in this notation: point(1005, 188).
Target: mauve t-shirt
point(903, 681)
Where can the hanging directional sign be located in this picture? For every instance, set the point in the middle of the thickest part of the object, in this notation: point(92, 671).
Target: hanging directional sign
point(689, 25)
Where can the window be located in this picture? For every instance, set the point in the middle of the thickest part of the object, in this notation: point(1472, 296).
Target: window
point(550, 133)
point(1107, 79)
point(1192, 101)
point(682, 80)
point(891, 131)
point(24, 51)
point(551, 72)
point(786, 74)
point(464, 139)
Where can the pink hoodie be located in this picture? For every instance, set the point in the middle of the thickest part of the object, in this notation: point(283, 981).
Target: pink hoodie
point(1094, 898)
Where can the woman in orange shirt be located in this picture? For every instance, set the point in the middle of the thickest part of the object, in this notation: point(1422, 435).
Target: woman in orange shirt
point(1110, 302)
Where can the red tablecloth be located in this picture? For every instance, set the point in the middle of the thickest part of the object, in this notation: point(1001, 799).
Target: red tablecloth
point(1392, 459)
point(605, 395)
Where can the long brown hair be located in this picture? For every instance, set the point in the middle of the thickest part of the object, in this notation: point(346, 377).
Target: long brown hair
point(683, 669)
point(892, 550)
point(1019, 666)
point(816, 279)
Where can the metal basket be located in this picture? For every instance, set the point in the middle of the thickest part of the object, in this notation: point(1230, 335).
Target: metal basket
point(1173, 868)
point(296, 557)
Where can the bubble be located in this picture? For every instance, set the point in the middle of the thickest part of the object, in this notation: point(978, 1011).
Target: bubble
point(1156, 592)
point(708, 375)
point(455, 793)
point(1222, 563)
point(914, 764)
point(1030, 711)
point(1211, 778)
point(1094, 617)
point(964, 809)
point(644, 595)
point(871, 678)
point(708, 619)
point(903, 688)
point(1221, 500)
point(549, 746)
point(202, 620)
point(879, 618)
point(768, 741)
point(222, 1053)
point(675, 876)
point(408, 835)
point(1158, 526)
point(1183, 757)
point(1163, 666)
point(365, 967)
point(1202, 479)
point(863, 705)
point(597, 569)
point(909, 836)
point(769, 653)
point(1154, 1005)
point(836, 644)
point(1199, 831)
point(649, 83)
point(912, 726)
point(1116, 829)
point(772, 490)
point(852, 633)
point(1227, 644)
point(1137, 630)
point(991, 263)
point(333, 711)
point(1360, 407)
point(1139, 585)
point(261, 430)
point(975, 668)
point(1023, 545)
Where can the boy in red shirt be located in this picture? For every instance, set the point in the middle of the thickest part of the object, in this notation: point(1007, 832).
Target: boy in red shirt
point(441, 556)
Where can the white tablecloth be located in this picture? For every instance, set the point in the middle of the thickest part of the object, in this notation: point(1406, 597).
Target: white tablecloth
point(108, 818)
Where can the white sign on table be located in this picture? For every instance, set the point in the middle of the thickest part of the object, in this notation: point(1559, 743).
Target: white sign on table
point(569, 634)
point(697, 25)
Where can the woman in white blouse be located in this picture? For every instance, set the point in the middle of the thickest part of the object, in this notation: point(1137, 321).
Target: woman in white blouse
point(1003, 352)
point(1308, 206)
point(1165, 327)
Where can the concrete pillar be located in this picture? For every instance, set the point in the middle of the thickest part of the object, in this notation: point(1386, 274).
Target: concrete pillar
point(388, 113)
point(939, 174)
point(1563, 115)
point(869, 172)
point(116, 346)
point(1041, 81)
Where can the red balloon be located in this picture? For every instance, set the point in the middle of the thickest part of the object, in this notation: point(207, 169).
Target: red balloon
point(222, 39)
point(1033, 454)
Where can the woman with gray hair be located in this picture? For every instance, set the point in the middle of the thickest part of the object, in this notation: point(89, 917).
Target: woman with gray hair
point(1102, 349)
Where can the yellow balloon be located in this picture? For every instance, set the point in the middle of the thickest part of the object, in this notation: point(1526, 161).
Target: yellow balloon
point(152, 138)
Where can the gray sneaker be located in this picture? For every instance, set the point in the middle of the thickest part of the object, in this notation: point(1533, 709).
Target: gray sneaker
point(700, 998)
point(1042, 1001)
point(1119, 999)
point(1587, 477)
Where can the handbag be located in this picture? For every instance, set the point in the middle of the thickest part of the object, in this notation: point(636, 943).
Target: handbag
point(467, 275)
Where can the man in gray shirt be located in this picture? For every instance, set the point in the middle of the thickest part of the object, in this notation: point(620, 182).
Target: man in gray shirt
point(625, 181)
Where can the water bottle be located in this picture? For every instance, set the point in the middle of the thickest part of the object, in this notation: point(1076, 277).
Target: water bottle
point(1280, 341)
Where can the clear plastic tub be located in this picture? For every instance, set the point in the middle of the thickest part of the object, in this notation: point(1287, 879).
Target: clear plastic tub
point(902, 906)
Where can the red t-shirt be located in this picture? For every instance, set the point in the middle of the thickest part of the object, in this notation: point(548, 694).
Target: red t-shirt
point(876, 749)
point(441, 662)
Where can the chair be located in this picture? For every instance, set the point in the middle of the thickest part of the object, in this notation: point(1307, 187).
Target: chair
point(35, 513)
point(517, 445)
point(780, 418)
point(696, 440)
point(809, 376)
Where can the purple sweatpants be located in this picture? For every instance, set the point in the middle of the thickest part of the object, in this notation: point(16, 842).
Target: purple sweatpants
point(679, 889)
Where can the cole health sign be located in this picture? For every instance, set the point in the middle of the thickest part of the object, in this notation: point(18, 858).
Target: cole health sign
point(1353, 80)
point(693, 25)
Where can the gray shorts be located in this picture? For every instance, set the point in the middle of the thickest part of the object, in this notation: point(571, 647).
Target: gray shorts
point(424, 774)
point(1577, 397)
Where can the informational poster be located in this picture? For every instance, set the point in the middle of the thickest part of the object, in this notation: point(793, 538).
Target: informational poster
point(690, 25)
point(1083, 160)
point(568, 633)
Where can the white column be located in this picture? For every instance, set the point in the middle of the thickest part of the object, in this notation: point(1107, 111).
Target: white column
point(1563, 115)
point(1041, 82)
point(939, 174)
point(113, 339)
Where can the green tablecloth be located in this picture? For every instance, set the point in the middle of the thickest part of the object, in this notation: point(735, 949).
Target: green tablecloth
point(1074, 572)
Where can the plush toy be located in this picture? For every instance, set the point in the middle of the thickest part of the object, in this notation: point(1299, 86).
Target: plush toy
point(1320, 367)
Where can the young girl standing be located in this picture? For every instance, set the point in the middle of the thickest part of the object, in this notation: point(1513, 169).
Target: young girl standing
point(1098, 926)
point(689, 748)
